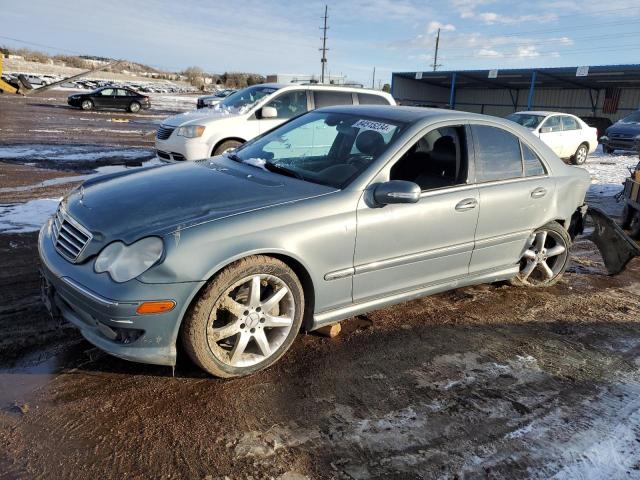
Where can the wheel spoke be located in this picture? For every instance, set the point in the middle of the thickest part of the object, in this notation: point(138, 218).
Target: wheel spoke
point(545, 268)
point(541, 237)
point(234, 308)
point(529, 255)
point(555, 251)
point(273, 300)
point(239, 347)
point(217, 334)
point(254, 294)
point(526, 271)
point(263, 343)
point(271, 321)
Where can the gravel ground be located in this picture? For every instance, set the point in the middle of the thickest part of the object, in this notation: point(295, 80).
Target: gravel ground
point(484, 382)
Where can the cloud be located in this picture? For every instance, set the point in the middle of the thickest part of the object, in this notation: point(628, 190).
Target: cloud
point(467, 8)
point(491, 18)
point(434, 26)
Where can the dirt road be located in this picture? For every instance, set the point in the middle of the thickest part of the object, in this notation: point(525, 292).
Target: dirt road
point(484, 382)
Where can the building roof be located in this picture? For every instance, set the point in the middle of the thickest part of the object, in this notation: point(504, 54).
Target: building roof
point(598, 77)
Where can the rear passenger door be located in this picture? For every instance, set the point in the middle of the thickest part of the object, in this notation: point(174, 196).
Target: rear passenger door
point(515, 194)
point(122, 99)
point(572, 132)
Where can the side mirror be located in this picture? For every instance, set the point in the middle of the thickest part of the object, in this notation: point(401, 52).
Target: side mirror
point(268, 112)
point(396, 191)
point(545, 130)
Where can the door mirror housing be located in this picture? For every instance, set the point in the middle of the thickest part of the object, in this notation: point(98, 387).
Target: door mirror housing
point(396, 191)
point(545, 130)
point(268, 112)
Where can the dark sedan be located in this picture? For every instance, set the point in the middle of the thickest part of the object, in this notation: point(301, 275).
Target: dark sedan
point(110, 97)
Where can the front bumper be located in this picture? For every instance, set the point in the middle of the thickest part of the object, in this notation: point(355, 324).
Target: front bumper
point(179, 148)
point(621, 143)
point(105, 311)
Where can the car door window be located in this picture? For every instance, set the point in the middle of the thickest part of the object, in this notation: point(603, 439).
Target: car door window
point(329, 98)
point(290, 104)
point(107, 92)
point(122, 92)
point(497, 154)
point(437, 160)
point(554, 124)
point(532, 164)
point(569, 123)
point(370, 99)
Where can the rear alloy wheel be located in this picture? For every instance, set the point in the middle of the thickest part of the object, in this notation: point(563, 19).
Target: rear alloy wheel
point(545, 258)
point(86, 104)
point(134, 107)
point(246, 318)
point(225, 147)
point(581, 154)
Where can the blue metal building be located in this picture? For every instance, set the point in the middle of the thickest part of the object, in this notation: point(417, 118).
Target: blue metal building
point(611, 91)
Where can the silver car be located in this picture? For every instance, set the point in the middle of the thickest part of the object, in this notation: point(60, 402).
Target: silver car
point(335, 213)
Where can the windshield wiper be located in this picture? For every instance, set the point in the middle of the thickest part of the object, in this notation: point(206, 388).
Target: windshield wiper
point(274, 167)
point(233, 157)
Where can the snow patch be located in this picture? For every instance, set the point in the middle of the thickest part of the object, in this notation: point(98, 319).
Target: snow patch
point(26, 217)
point(64, 153)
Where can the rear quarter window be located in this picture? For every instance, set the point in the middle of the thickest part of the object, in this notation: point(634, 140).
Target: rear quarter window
point(328, 99)
point(371, 99)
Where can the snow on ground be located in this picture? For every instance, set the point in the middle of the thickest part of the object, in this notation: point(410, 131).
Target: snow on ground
point(28, 216)
point(163, 101)
point(63, 153)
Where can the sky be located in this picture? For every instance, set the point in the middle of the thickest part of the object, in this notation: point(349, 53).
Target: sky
point(276, 36)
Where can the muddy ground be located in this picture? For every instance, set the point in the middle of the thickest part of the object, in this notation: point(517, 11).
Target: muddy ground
point(484, 382)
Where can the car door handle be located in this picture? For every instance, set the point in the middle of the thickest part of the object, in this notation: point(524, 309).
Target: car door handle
point(538, 192)
point(466, 204)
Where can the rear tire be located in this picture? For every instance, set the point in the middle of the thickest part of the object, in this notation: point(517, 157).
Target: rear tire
point(581, 154)
point(134, 107)
point(246, 318)
point(86, 105)
point(546, 257)
point(226, 146)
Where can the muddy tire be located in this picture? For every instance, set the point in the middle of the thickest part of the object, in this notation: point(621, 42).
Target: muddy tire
point(581, 154)
point(634, 226)
point(86, 105)
point(225, 147)
point(134, 107)
point(545, 258)
point(245, 319)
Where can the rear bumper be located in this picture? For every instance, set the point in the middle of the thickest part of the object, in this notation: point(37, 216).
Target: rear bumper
point(107, 320)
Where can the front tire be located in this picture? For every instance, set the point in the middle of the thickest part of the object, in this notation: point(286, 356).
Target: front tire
point(546, 257)
point(86, 105)
point(226, 146)
point(246, 318)
point(581, 154)
point(134, 107)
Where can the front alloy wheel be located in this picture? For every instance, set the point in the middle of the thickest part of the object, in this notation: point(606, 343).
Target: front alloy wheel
point(546, 257)
point(87, 105)
point(246, 319)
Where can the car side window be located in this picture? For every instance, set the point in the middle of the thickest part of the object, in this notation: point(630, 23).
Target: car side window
point(122, 92)
point(497, 154)
point(329, 98)
point(570, 123)
point(290, 104)
point(107, 92)
point(370, 99)
point(438, 160)
point(553, 123)
point(532, 164)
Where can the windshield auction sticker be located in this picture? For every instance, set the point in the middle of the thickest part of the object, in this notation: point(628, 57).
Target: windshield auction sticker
point(376, 126)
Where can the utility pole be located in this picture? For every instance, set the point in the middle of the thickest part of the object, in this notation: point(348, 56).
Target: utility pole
point(435, 56)
point(324, 44)
point(373, 80)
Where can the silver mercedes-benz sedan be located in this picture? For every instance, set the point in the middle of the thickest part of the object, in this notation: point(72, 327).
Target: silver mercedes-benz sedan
point(337, 212)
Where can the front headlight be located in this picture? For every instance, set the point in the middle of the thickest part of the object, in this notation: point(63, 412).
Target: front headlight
point(192, 131)
point(125, 262)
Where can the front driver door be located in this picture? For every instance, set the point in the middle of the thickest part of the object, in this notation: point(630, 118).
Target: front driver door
point(403, 247)
point(551, 134)
point(288, 105)
point(105, 98)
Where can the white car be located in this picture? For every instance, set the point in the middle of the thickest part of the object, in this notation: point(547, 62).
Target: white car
point(248, 113)
point(567, 135)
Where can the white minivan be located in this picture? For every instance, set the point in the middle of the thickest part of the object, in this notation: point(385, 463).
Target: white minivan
point(248, 113)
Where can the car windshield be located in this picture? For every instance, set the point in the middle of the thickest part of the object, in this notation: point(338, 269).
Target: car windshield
point(321, 147)
point(633, 118)
point(528, 120)
point(242, 100)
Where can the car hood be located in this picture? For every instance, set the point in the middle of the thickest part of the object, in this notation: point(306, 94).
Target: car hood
point(160, 200)
point(624, 128)
point(197, 117)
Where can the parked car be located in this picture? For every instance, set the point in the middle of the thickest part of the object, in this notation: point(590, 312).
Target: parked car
point(623, 135)
point(211, 100)
point(249, 113)
point(599, 123)
point(110, 97)
point(337, 212)
point(567, 135)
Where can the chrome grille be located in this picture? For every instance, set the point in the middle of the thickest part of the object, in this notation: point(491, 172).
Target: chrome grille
point(69, 237)
point(164, 132)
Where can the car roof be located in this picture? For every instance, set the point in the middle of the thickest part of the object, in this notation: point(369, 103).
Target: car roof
point(408, 114)
point(322, 86)
point(545, 113)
